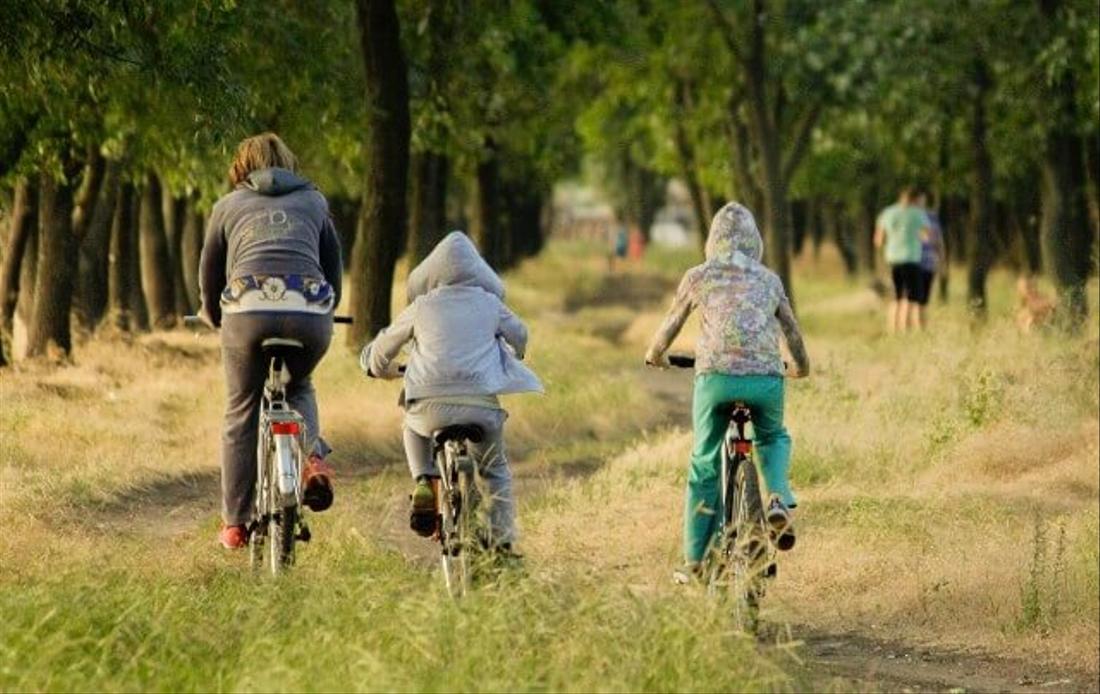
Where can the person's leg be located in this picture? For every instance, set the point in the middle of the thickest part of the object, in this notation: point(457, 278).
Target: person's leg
point(701, 498)
point(315, 334)
point(765, 395)
point(244, 377)
point(418, 452)
point(893, 312)
point(493, 466)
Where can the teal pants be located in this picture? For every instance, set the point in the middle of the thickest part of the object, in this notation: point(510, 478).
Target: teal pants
point(714, 395)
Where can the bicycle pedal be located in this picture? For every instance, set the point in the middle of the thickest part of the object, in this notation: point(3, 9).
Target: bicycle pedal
point(304, 535)
point(772, 571)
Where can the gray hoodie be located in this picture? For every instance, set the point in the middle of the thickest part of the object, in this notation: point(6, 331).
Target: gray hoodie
point(274, 223)
point(743, 304)
point(465, 341)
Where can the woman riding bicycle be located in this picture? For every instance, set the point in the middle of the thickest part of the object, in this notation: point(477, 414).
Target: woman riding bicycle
point(270, 267)
point(744, 307)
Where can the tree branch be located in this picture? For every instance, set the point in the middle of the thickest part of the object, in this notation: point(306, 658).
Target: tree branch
point(729, 31)
point(803, 129)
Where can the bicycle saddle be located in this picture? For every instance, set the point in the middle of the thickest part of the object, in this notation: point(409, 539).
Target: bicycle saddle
point(459, 432)
point(280, 344)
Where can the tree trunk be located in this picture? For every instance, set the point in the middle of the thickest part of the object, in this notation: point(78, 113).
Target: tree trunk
point(91, 295)
point(488, 227)
point(23, 222)
point(49, 332)
point(88, 193)
point(345, 217)
point(125, 300)
point(172, 211)
point(156, 267)
point(384, 218)
point(981, 192)
point(1066, 228)
point(428, 205)
point(191, 236)
point(686, 155)
point(841, 231)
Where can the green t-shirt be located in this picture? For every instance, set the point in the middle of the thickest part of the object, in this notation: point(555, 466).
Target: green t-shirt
point(902, 226)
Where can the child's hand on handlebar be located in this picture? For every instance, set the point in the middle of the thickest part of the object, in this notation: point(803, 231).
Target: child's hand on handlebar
point(658, 360)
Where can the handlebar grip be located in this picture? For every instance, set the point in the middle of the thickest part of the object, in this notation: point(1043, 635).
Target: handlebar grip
point(342, 319)
point(681, 361)
point(194, 322)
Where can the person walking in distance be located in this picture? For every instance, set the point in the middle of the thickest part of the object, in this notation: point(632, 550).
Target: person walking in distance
point(898, 231)
point(932, 255)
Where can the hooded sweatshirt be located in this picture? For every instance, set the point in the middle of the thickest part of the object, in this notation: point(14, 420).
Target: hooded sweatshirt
point(274, 223)
point(743, 304)
point(465, 341)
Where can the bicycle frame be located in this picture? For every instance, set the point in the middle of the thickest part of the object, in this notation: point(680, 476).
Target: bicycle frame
point(458, 503)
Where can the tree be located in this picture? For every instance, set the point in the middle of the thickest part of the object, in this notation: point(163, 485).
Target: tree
point(383, 217)
point(157, 274)
point(49, 333)
point(23, 223)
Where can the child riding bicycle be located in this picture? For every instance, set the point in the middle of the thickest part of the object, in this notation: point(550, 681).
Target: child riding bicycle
point(744, 307)
point(466, 350)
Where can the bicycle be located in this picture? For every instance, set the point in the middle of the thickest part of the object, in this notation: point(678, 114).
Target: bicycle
point(461, 535)
point(742, 555)
point(277, 518)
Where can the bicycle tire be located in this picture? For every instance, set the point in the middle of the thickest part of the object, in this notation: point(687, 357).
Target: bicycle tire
point(747, 544)
point(282, 535)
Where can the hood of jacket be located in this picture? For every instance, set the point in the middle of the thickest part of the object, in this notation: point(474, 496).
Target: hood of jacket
point(454, 262)
point(275, 182)
point(733, 232)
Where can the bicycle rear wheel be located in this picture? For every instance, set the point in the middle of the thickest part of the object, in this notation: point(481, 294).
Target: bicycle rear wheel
point(746, 544)
point(282, 534)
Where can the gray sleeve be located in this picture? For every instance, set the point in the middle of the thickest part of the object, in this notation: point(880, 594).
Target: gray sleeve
point(791, 332)
point(678, 313)
point(378, 358)
point(212, 270)
point(332, 263)
point(513, 330)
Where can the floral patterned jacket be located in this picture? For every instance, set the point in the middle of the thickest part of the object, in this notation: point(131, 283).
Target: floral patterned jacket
point(743, 304)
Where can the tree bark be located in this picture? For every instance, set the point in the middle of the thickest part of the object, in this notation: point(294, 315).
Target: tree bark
point(88, 193)
point(156, 266)
point(125, 300)
point(981, 191)
point(1066, 228)
point(191, 248)
point(22, 228)
point(172, 211)
point(488, 227)
point(686, 155)
point(49, 332)
point(91, 295)
point(384, 217)
point(428, 208)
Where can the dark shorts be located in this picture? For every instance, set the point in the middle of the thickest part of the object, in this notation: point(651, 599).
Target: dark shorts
point(924, 288)
point(906, 280)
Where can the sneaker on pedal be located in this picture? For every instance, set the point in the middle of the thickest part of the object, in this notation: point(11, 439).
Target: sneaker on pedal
point(423, 518)
point(781, 524)
point(233, 536)
point(317, 484)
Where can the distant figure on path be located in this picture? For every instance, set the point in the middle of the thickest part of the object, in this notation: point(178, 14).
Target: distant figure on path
point(933, 254)
point(898, 231)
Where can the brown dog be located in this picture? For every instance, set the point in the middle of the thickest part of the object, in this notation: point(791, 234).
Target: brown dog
point(1036, 309)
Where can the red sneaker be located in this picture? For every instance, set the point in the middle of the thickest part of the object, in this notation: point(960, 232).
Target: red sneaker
point(233, 536)
point(317, 484)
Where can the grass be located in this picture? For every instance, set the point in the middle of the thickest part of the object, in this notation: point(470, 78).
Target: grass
point(948, 484)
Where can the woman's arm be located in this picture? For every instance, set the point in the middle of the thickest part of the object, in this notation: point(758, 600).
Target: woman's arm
point(332, 264)
point(793, 335)
point(378, 358)
point(212, 270)
point(674, 320)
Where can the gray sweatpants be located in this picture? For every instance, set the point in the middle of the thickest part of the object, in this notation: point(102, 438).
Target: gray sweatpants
point(245, 372)
point(492, 463)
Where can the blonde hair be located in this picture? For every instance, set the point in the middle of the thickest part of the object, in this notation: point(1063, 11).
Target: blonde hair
point(261, 151)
